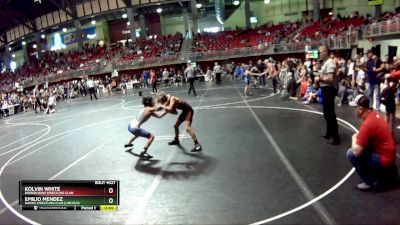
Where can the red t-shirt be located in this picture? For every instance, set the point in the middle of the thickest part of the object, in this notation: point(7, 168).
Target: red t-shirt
point(375, 134)
point(153, 77)
point(395, 75)
point(303, 88)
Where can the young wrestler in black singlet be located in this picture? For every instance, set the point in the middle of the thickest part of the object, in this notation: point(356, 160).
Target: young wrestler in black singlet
point(171, 104)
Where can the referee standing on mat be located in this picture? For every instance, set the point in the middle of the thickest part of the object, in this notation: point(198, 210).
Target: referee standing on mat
point(327, 81)
point(92, 91)
point(189, 72)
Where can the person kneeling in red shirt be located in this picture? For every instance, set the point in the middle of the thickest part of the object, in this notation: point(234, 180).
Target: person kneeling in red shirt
point(373, 150)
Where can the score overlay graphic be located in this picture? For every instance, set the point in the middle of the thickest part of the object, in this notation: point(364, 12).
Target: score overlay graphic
point(83, 195)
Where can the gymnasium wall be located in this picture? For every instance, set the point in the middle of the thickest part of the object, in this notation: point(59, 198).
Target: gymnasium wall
point(384, 45)
point(173, 24)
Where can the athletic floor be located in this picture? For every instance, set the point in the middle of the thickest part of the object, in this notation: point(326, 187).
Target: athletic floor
point(263, 161)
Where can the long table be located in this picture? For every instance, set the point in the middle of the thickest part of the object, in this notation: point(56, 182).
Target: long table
point(11, 109)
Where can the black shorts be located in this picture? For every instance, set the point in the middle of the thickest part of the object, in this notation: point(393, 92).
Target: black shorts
point(186, 115)
point(391, 106)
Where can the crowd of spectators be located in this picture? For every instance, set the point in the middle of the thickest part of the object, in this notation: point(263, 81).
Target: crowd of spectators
point(364, 74)
point(156, 46)
point(240, 38)
point(56, 63)
point(91, 56)
point(95, 56)
point(331, 27)
point(25, 100)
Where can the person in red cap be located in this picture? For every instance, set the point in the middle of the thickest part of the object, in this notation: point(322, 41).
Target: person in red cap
point(373, 149)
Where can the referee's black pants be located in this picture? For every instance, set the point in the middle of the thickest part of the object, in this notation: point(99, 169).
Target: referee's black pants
point(154, 87)
point(218, 78)
point(191, 85)
point(329, 94)
point(92, 91)
point(38, 104)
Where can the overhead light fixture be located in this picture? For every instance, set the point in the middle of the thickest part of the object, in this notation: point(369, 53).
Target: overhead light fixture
point(124, 16)
point(330, 13)
point(34, 46)
point(43, 36)
point(267, 1)
point(64, 29)
point(93, 22)
point(23, 43)
point(198, 5)
point(13, 55)
point(159, 10)
point(128, 23)
point(9, 49)
point(236, 2)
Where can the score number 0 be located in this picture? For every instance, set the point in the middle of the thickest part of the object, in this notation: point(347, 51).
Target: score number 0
point(110, 191)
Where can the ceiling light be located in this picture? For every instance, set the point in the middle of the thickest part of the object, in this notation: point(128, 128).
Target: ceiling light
point(34, 46)
point(43, 36)
point(236, 2)
point(9, 49)
point(267, 1)
point(93, 22)
point(198, 5)
point(13, 55)
point(23, 43)
point(64, 29)
point(330, 13)
point(159, 10)
point(128, 23)
point(124, 16)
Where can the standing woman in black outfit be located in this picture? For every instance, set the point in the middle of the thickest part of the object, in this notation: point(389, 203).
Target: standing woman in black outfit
point(326, 80)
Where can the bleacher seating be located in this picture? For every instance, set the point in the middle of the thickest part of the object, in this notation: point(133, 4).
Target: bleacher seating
point(165, 47)
point(160, 46)
point(225, 40)
point(329, 27)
